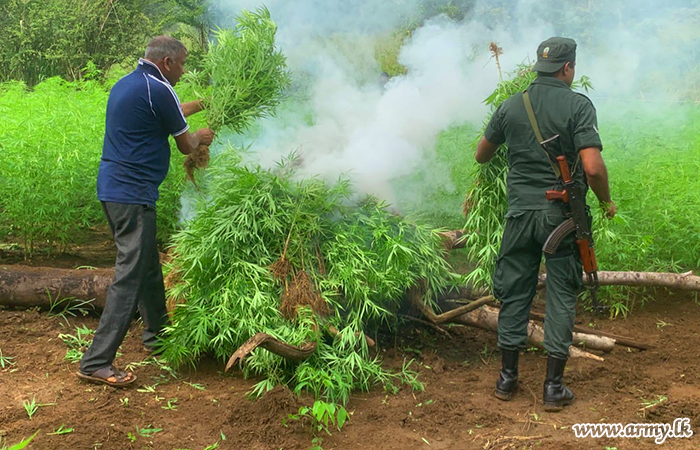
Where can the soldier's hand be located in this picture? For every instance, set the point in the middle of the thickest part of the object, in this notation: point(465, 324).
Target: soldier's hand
point(205, 135)
point(609, 209)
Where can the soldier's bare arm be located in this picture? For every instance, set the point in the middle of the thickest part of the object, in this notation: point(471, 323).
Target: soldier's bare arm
point(597, 176)
point(485, 151)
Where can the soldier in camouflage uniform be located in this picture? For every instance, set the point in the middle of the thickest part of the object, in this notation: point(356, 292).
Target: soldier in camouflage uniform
point(531, 217)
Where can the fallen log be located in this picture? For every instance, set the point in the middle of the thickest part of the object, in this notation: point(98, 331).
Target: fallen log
point(687, 281)
point(486, 318)
point(622, 341)
point(29, 287)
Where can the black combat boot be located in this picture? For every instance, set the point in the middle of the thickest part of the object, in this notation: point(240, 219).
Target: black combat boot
point(508, 379)
point(556, 395)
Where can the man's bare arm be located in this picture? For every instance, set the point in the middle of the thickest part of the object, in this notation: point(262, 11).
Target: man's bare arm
point(485, 151)
point(597, 176)
point(193, 107)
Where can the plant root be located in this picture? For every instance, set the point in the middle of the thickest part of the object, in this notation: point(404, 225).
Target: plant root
point(274, 345)
point(198, 159)
point(301, 292)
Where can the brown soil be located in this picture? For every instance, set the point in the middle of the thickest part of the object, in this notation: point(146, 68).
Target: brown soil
point(456, 410)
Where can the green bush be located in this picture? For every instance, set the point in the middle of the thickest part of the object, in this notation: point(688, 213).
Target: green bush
point(654, 182)
point(47, 38)
point(51, 139)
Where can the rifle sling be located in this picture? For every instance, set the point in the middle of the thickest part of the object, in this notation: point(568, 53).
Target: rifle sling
point(538, 135)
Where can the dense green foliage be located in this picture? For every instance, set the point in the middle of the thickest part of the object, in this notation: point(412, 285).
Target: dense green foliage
point(351, 262)
point(653, 156)
point(49, 38)
point(51, 139)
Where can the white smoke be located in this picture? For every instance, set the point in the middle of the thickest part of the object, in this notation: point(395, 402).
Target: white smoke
point(369, 132)
point(348, 123)
point(377, 133)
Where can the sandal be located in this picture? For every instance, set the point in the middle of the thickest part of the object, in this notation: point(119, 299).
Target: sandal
point(103, 375)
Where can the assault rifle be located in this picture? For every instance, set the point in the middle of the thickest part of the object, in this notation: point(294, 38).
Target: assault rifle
point(577, 221)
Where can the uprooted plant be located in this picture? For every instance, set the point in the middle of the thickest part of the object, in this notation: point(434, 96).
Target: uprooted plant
point(244, 77)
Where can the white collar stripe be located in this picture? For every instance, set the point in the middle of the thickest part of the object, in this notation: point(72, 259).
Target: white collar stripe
point(172, 91)
point(150, 101)
point(149, 63)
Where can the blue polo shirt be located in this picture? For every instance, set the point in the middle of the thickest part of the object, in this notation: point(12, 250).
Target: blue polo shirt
point(142, 111)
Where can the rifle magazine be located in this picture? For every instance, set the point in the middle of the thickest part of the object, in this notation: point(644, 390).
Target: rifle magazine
point(554, 239)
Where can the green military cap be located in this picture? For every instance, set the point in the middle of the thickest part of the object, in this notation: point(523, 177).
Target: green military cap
point(553, 53)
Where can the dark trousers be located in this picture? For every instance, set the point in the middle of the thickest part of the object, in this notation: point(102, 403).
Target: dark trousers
point(515, 281)
point(138, 283)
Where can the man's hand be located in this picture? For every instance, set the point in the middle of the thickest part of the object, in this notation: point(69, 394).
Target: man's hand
point(597, 176)
point(205, 136)
point(187, 142)
point(609, 209)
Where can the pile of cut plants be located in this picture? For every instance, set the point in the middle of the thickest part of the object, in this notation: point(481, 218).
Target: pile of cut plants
point(304, 264)
point(287, 278)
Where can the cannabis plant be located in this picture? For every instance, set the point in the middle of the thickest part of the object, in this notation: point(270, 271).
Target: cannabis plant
point(244, 78)
point(244, 73)
point(298, 260)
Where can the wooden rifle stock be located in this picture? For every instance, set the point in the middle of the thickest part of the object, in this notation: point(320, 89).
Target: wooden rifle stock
point(578, 222)
point(587, 256)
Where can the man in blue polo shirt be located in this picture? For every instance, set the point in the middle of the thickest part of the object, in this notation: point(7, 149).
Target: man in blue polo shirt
point(142, 111)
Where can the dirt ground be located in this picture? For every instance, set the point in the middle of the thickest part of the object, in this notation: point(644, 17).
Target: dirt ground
point(199, 409)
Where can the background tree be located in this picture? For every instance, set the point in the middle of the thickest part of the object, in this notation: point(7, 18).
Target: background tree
point(49, 38)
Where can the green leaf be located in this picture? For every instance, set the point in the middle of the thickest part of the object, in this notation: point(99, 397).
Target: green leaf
point(24, 443)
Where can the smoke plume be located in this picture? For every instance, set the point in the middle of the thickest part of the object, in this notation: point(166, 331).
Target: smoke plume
point(343, 117)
